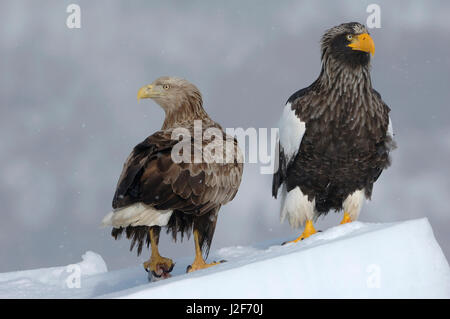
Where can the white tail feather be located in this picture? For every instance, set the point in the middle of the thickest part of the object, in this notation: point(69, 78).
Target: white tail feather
point(137, 215)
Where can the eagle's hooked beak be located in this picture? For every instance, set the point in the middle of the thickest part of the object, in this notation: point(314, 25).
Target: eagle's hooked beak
point(147, 92)
point(363, 42)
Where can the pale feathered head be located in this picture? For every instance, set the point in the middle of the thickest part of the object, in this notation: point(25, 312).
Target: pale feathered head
point(171, 93)
point(180, 99)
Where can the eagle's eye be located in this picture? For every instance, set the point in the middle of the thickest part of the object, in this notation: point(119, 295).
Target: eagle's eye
point(166, 86)
point(349, 37)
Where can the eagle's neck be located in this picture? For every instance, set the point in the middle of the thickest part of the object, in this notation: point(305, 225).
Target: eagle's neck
point(187, 112)
point(343, 95)
point(343, 80)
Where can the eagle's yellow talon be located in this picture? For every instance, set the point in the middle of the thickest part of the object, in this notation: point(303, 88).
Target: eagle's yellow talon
point(309, 230)
point(159, 265)
point(201, 264)
point(346, 219)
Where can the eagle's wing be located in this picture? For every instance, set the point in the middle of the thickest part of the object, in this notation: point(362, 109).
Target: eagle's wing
point(390, 129)
point(151, 176)
point(291, 131)
point(388, 143)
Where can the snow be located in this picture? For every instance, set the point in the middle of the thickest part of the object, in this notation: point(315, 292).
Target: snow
point(51, 282)
point(355, 260)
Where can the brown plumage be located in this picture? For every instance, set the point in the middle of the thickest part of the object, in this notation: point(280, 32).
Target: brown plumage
point(191, 192)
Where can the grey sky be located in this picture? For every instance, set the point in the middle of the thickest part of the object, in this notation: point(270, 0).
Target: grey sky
point(69, 115)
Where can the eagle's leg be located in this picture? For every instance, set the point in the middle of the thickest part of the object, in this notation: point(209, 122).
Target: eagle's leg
point(308, 231)
point(346, 219)
point(159, 266)
point(199, 262)
point(352, 206)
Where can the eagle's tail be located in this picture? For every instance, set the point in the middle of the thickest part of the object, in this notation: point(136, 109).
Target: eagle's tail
point(139, 235)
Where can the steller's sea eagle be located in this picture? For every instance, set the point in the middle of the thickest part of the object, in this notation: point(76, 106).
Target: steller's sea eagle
point(157, 190)
point(334, 136)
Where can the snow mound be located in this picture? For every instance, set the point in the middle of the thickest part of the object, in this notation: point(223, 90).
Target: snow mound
point(356, 260)
point(51, 282)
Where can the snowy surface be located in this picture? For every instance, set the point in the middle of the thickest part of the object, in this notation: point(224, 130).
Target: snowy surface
point(356, 260)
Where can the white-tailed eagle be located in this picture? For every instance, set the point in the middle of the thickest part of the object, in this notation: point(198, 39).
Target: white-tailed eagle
point(155, 190)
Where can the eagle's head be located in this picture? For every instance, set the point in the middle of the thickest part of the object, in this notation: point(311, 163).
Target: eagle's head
point(348, 43)
point(172, 94)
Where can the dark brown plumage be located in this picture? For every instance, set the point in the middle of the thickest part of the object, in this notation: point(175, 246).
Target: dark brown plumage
point(191, 192)
point(335, 135)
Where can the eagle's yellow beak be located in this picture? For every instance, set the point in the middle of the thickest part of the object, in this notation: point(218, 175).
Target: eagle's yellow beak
point(147, 92)
point(363, 42)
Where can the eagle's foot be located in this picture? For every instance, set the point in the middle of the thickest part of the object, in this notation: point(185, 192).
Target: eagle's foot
point(309, 230)
point(159, 267)
point(346, 219)
point(201, 264)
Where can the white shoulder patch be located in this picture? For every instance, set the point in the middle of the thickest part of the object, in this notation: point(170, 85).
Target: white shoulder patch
point(291, 132)
point(390, 129)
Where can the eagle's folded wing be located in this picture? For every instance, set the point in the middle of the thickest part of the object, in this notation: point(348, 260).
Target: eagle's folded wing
point(152, 177)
